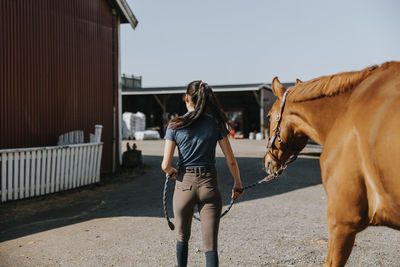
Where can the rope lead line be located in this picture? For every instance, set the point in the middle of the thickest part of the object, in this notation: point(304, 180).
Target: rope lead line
point(170, 224)
point(241, 190)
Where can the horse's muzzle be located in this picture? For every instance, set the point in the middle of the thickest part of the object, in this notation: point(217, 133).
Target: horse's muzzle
point(270, 167)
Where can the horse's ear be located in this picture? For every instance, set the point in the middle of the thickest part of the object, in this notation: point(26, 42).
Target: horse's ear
point(277, 88)
point(298, 81)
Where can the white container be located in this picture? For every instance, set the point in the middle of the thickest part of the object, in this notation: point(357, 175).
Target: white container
point(252, 136)
point(259, 136)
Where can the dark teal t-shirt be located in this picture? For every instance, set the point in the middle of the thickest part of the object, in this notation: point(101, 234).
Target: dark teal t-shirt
point(196, 143)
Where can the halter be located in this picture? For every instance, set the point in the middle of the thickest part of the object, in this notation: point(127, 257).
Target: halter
point(276, 135)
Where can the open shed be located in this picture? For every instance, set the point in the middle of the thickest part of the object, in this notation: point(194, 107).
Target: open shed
point(247, 103)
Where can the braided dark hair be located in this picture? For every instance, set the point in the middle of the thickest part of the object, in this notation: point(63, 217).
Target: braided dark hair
point(204, 100)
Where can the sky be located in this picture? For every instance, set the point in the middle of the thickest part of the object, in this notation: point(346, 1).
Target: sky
point(252, 41)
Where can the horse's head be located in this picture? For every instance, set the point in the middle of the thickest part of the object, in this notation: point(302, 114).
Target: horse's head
point(285, 140)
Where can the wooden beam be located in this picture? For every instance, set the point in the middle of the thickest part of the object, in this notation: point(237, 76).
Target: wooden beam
point(163, 104)
point(163, 107)
point(258, 100)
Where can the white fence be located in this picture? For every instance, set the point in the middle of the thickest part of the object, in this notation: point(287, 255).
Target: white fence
point(37, 171)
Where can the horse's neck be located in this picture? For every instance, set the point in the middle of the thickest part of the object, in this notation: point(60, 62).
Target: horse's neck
point(315, 118)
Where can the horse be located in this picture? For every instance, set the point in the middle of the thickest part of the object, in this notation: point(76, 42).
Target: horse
point(355, 117)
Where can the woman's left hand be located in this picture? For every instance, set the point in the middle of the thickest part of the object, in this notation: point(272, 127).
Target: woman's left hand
point(171, 173)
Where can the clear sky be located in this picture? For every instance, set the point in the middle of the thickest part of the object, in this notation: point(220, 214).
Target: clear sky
point(251, 41)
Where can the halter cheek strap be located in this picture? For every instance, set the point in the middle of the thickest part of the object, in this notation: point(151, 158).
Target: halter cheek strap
point(276, 134)
point(276, 131)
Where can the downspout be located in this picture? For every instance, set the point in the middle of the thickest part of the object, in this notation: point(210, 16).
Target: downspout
point(114, 85)
point(119, 94)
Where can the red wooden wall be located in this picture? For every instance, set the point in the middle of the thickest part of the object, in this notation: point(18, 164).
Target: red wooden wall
point(58, 71)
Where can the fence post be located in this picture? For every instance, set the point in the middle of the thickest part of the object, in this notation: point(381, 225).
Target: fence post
point(3, 177)
point(97, 133)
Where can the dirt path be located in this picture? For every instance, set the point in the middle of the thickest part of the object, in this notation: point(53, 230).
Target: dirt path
point(281, 223)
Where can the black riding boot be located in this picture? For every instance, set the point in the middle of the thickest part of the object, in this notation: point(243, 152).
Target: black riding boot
point(212, 258)
point(182, 253)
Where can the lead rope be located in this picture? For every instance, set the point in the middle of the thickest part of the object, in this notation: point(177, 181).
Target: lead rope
point(270, 177)
point(170, 224)
point(266, 179)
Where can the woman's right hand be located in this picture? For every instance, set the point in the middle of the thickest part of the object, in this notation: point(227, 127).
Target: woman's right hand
point(237, 191)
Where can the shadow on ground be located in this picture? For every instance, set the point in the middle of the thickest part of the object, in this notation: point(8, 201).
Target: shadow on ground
point(142, 196)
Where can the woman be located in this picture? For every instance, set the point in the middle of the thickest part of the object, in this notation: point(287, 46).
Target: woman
point(196, 134)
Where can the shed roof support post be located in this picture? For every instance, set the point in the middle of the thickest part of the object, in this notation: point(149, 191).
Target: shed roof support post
point(260, 101)
point(257, 97)
point(163, 104)
point(262, 107)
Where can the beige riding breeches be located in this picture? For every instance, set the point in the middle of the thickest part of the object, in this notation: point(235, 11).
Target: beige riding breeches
point(198, 185)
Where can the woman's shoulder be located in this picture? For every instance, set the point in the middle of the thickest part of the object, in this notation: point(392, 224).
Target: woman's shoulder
point(209, 116)
point(170, 125)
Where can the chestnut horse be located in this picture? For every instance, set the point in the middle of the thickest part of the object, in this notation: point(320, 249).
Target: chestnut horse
point(355, 116)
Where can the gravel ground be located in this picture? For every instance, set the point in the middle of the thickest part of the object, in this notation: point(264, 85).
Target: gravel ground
point(281, 223)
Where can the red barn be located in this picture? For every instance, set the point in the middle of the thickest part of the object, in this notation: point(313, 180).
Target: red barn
point(59, 71)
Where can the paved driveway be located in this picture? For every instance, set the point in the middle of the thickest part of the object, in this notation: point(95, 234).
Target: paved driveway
point(281, 223)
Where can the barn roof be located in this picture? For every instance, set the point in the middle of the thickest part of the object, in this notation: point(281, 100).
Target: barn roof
point(124, 11)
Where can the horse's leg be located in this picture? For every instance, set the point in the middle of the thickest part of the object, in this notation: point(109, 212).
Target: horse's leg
point(341, 241)
point(347, 211)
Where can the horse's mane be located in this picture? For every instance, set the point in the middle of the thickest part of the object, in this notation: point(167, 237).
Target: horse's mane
point(327, 86)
